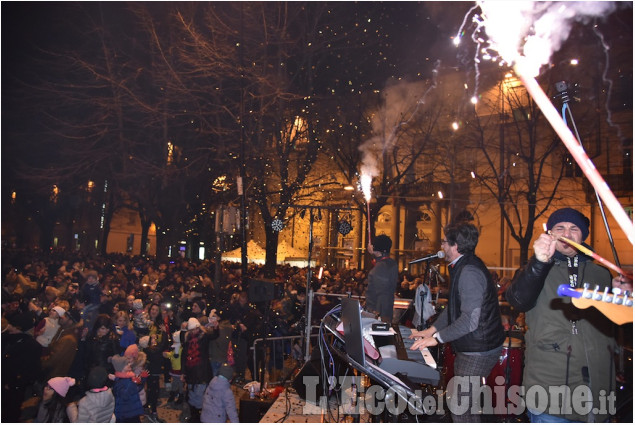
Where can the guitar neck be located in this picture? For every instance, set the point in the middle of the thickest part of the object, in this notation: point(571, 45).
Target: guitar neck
point(617, 307)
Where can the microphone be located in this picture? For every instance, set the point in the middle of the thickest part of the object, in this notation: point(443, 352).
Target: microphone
point(439, 254)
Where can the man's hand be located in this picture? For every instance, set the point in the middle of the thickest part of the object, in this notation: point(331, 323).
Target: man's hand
point(370, 249)
point(544, 247)
point(426, 333)
point(424, 342)
point(623, 283)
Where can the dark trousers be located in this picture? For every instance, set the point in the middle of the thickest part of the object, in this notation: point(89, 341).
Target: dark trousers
point(152, 391)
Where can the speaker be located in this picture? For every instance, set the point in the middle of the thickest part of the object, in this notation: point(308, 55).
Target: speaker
point(311, 370)
point(252, 410)
point(260, 290)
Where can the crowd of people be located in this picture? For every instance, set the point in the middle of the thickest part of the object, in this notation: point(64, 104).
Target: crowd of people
point(134, 320)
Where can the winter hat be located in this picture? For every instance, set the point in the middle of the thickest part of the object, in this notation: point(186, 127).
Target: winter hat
point(144, 341)
point(119, 362)
point(132, 351)
point(61, 384)
point(60, 310)
point(97, 378)
point(227, 371)
point(572, 216)
point(176, 337)
point(382, 243)
point(193, 323)
point(137, 304)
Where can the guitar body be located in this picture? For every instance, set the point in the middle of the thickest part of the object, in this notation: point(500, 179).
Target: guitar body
point(619, 310)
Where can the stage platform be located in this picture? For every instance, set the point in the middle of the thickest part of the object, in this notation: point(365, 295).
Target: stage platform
point(290, 408)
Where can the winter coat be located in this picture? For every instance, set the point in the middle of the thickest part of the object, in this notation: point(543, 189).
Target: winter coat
point(219, 402)
point(99, 350)
point(195, 362)
point(62, 351)
point(564, 344)
point(96, 407)
point(127, 401)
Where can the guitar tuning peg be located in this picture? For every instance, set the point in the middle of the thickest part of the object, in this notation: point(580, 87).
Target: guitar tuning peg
point(585, 291)
point(616, 298)
point(595, 295)
point(606, 297)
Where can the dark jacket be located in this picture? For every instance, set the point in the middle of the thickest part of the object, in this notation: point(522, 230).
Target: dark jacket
point(99, 350)
point(195, 361)
point(382, 284)
point(564, 344)
point(489, 333)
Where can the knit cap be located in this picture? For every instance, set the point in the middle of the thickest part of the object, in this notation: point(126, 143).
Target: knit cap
point(119, 362)
point(176, 337)
point(61, 384)
point(97, 378)
point(193, 323)
point(572, 216)
point(132, 351)
point(60, 311)
point(382, 243)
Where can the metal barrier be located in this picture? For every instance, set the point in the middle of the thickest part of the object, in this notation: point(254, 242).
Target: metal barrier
point(273, 353)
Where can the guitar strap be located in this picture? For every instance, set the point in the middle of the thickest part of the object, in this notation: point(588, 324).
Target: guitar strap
point(572, 263)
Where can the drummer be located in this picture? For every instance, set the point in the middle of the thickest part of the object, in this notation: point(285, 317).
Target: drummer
point(472, 321)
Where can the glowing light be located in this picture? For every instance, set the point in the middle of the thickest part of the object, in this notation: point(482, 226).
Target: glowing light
point(474, 100)
point(473, 174)
point(366, 181)
point(574, 62)
point(90, 185)
point(456, 41)
point(455, 126)
point(440, 194)
point(13, 195)
point(349, 187)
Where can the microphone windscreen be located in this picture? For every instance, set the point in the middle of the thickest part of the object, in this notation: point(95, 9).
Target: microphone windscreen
point(441, 254)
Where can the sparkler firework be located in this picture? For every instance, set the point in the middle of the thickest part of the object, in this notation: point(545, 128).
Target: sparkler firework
point(525, 34)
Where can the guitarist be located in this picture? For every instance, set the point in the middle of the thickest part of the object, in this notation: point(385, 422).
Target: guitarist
point(565, 345)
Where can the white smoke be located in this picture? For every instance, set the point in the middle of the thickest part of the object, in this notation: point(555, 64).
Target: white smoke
point(402, 101)
point(527, 33)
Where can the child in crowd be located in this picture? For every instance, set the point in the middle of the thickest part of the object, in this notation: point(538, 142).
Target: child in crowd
point(177, 393)
point(48, 327)
point(123, 329)
point(141, 319)
point(52, 408)
point(218, 401)
point(98, 405)
point(138, 361)
point(128, 406)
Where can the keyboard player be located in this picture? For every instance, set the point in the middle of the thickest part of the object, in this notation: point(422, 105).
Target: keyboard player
point(471, 323)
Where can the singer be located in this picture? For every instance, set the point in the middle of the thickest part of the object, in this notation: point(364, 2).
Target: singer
point(382, 279)
point(472, 321)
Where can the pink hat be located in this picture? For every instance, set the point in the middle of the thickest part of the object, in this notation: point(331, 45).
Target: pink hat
point(131, 351)
point(61, 384)
point(60, 311)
